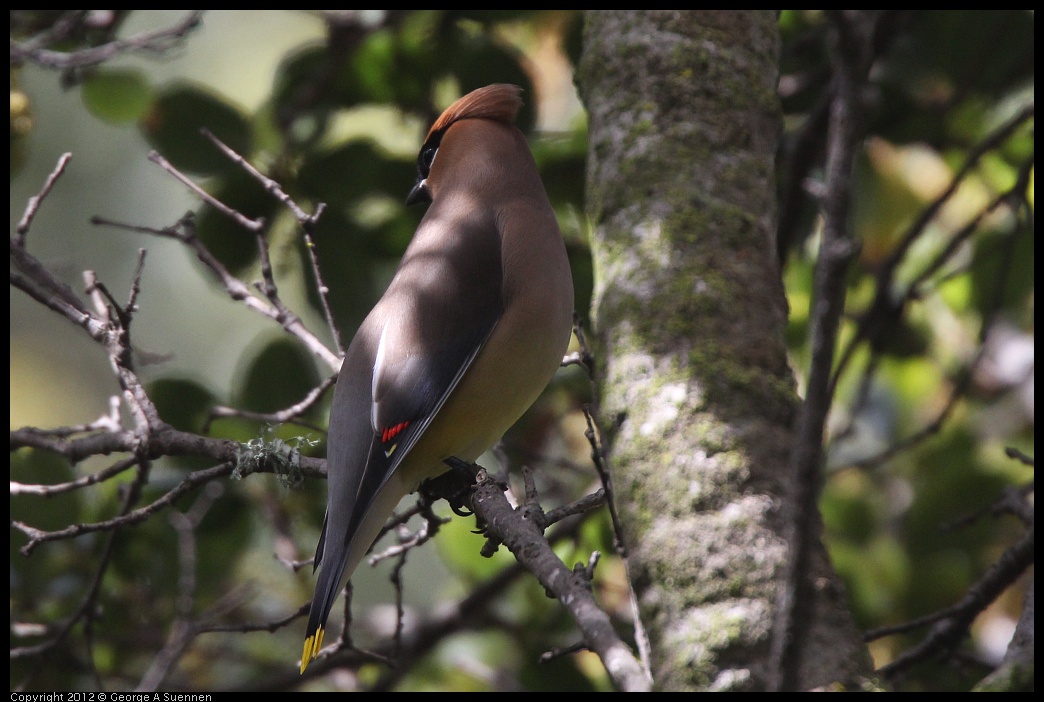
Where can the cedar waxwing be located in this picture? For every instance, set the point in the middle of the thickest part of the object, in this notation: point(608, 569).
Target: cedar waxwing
point(469, 333)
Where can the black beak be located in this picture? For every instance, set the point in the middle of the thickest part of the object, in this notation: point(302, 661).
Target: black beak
point(419, 193)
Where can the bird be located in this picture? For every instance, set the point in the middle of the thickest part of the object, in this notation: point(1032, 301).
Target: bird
point(471, 329)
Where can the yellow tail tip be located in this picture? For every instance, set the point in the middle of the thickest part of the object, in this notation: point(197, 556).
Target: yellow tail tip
point(311, 648)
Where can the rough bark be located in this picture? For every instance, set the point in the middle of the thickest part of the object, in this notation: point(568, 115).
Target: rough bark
point(689, 315)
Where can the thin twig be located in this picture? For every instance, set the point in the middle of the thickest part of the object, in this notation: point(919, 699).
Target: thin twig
point(35, 201)
point(308, 224)
point(1018, 455)
point(155, 42)
point(289, 415)
point(994, 140)
point(270, 185)
point(952, 623)
point(199, 477)
point(183, 629)
point(601, 466)
point(85, 611)
point(1012, 501)
point(408, 541)
point(253, 225)
point(887, 304)
point(320, 284)
point(585, 504)
point(87, 480)
point(1017, 190)
point(184, 231)
point(32, 277)
point(965, 376)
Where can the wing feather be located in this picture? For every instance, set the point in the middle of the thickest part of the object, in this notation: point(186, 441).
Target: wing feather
point(422, 337)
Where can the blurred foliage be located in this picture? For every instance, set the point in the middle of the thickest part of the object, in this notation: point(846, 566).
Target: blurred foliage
point(121, 95)
point(942, 82)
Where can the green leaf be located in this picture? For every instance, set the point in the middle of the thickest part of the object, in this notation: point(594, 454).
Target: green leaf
point(184, 404)
point(173, 127)
point(120, 95)
point(300, 107)
point(460, 549)
point(354, 170)
point(479, 61)
point(390, 67)
point(279, 376)
point(233, 245)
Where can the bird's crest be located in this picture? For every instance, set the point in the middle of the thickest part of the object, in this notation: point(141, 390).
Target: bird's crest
point(500, 102)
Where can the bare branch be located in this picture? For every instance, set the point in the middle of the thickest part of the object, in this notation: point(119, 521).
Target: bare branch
point(117, 344)
point(965, 375)
point(200, 477)
point(270, 185)
point(321, 287)
point(307, 222)
point(601, 465)
point(1018, 455)
point(34, 202)
point(32, 277)
point(87, 480)
point(952, 623)
point(288, 415)
point(253, 225)
point(994, 140)
point(184, 231)
point(183, 629)
point(888, 303)
point(153, 42)
point(851, 32)
point(585, 504)
point(85, 611)
point(526, 541)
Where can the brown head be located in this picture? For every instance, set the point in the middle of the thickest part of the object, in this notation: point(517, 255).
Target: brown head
point(499, 102)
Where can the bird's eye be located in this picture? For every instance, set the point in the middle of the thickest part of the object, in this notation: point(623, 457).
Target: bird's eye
point(427, 154)
point(427, 157)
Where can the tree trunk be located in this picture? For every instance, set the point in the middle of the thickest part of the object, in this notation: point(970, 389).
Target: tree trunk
point(689, 314)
